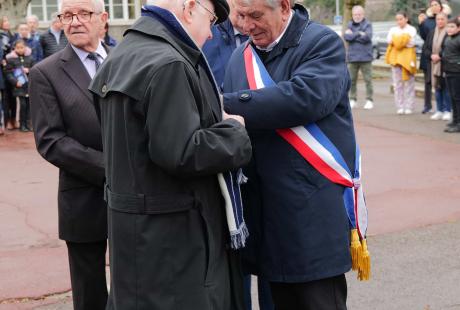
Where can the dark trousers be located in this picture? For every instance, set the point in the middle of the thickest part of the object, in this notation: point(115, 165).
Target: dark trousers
point(453, 85)
point(87, 275)
point(324, 294)
point(428, 90)
point(24, 111)
point(9, 105)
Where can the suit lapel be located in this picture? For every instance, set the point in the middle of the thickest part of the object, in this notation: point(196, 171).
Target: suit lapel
point(74, 68)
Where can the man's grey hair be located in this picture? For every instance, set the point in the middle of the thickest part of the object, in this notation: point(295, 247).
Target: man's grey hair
point(32, 17)
point(98, 5)
point(357, 7)
point(271, 3)
point(54, 16)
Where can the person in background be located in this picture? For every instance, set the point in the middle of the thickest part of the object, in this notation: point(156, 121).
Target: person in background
point(426, 23)
point(433, 47)
point(106, 38)
point(359, 56)
point(54, 39)
point(451, 66)
point(9, 103)
point(402, 57)
point(17, 69)
point(24, 34)
point(32, 22)
point(2, 87)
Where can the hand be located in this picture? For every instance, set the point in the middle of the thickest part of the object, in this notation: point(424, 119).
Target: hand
point(362, 33)
point(26, 70)
point(421, 18)
point(18, 84)
point(237, 118)
point(435, 58)
point(348, 31)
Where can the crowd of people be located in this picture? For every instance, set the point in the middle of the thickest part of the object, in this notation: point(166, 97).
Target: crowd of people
point(439, 60)
point(21, 48)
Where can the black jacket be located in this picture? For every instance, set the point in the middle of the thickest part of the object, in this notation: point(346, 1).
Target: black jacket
point(49, 44)
point(164, 143)
point(14, 70)
point(451, 54)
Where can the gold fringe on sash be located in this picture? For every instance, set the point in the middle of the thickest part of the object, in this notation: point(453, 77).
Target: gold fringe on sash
point(360, 257)
point(355, 249)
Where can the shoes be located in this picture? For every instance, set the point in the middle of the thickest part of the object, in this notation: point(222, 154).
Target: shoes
point(400, 111)
point(9, 125)
point(369, 105)
point(352, 103)
point(446, 116)
point(452, 129)
point(2, 132)
point(24, 129)
point(436, 116)
point(408, 111)
point(426, 110)
point(16, 125)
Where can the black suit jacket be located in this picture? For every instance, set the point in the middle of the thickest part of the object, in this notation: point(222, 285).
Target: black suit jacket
point(68, 135)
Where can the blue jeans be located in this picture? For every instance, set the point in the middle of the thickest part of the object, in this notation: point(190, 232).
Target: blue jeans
point(265, 296)
point(443, 103)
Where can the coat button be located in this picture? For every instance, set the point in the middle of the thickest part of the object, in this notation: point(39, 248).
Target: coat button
point(245, 96)
point(104, 88)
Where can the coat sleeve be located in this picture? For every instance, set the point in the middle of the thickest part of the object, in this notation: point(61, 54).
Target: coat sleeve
point(9, 73)
point(51, 138)
point(177, 143)
point(363, 39)
point(311, 93)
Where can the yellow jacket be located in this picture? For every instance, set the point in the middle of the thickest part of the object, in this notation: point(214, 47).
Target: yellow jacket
point(398, 54)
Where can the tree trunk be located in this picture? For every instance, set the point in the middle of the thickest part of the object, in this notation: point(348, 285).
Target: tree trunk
point(16, 10)
point(347, 6)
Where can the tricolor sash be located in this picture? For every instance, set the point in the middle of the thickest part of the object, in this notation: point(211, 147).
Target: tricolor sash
point(316, 148)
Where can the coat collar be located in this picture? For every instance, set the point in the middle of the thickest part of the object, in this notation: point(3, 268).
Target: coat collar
point(157, 28)
point(293, 34)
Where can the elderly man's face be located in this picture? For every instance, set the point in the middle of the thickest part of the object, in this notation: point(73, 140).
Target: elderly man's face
point(81, 33)
point(33, 24)
point(358, 15)
point(262, 22)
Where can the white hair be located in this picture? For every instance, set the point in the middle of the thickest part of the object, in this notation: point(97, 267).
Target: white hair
point(272, 3)
point(98, 5)
point(34, 17)
point(357, 7)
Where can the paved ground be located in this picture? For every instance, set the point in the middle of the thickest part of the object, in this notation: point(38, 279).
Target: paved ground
point(411, 175)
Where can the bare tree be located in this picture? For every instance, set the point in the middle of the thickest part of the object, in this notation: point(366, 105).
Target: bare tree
point(16, 10)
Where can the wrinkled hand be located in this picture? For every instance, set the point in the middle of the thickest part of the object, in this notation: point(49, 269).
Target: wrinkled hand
point(237, 118)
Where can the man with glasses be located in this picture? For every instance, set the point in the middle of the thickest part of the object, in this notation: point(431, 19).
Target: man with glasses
point(67, 134)
point(165, 141)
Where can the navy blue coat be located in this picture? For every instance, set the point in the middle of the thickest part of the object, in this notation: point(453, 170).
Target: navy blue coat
point(359, 46)
point(424, 29)
point(296, 218)
point(219, 49)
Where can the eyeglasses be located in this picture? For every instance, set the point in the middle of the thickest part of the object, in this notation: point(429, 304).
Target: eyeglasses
point(82, 16)
point(214, 17)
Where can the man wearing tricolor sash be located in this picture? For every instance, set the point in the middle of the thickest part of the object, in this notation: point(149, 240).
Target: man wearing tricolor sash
point(304, 203)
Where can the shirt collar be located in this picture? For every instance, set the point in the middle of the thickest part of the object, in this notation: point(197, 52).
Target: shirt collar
point(274, 43)
point(82, 54)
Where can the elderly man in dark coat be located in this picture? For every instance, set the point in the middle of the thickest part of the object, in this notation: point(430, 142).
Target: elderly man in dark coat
point(299, 229)
point(165, 139)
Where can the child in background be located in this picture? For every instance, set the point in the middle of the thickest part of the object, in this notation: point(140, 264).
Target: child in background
point(402, 57)
point(17, 71)
point(451, 67)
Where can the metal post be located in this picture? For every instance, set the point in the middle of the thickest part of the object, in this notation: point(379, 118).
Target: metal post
point(337, 13)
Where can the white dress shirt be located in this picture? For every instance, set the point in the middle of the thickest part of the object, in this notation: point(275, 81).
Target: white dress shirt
point(89, 64)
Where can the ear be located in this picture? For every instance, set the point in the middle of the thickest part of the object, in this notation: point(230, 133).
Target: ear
point(189, 9)
point(104, 17)
point(285, 9)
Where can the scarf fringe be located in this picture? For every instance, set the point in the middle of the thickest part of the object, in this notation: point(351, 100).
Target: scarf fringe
point(238, 237)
